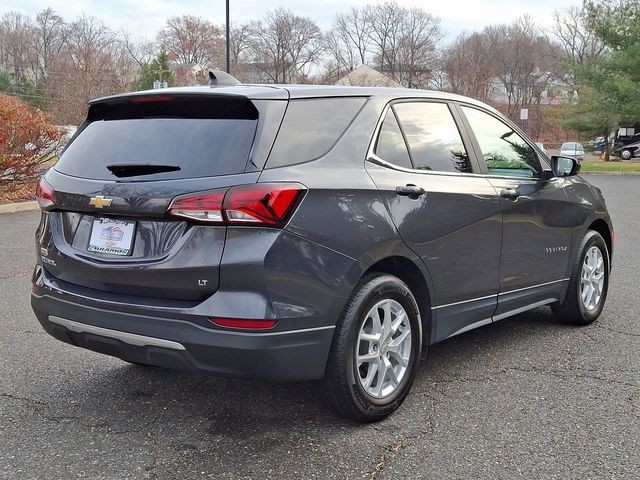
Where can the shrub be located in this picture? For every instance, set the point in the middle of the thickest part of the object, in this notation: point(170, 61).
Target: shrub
point(27, 140)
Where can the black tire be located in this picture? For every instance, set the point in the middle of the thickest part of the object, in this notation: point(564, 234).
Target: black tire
point(626, 154)
point(572, 311)
point(340, 389)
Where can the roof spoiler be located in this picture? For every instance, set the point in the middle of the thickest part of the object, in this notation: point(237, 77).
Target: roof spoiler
point(218, 78)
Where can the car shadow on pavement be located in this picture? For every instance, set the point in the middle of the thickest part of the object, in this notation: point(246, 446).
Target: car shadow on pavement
point(185, 408)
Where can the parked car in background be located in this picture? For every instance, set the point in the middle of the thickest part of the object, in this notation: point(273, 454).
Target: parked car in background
point(544, 149)
point(308, 233)
point(572, 150)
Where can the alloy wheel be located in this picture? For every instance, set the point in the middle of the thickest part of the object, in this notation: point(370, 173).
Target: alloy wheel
point(592, 278)
point(383, 349)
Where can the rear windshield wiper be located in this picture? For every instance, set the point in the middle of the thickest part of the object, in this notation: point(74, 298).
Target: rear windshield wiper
point(135, 169)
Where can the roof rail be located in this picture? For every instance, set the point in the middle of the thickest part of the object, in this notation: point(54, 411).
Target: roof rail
point(220, 78)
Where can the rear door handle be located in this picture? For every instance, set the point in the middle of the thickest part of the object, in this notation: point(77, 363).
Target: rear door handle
point(510, 193)
point(411, 191)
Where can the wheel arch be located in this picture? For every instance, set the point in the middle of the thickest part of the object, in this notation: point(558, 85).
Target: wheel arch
point(407, 271)
point(600, 226)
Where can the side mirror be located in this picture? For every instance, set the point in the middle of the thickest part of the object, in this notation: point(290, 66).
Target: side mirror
point(564, 166)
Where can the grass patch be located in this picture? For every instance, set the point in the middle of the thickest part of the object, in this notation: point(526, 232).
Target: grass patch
point(617, 167)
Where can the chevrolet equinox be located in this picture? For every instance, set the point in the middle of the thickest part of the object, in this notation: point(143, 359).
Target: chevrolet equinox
point(308, 233)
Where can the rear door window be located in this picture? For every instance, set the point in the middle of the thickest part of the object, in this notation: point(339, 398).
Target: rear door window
point(391, 146)
point(432, 134)
point(192, 139)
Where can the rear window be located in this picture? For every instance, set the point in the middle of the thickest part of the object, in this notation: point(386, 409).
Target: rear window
point(311, 127)
point(571, 146)
point(197, 137)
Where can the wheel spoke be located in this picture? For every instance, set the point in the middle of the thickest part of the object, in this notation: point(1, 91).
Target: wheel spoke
point(382, 374)
point(393, 378)
point(376, 322)
point(597, 288)
point(589, 296)
point(367, 358)
point(370, 337)
point(403, 362)
point(397, 322)
point(386, 325)
point(585, 292)
point(397, 342)
point(371, 373)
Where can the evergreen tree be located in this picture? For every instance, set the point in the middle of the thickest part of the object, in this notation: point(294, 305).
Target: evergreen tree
point(609, 85)
point(158, 69)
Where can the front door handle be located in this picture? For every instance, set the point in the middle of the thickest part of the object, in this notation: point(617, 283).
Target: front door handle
point(510, 193)
point(411, 191)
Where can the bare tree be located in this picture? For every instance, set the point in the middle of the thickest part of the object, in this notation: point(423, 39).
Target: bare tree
point(384, 32)
point(49, 40)
point(239, 44)
point(418, 58)
point(92, 63)
point(16, 35)
point(348, 42)
point(470, 65)
point(523, 69)
point(406, 41)
point(192, 40)
point(577, 42)
point(284, 45)
point(141, 50)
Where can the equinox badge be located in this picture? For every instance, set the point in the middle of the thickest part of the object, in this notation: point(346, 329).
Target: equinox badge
point(99, 201)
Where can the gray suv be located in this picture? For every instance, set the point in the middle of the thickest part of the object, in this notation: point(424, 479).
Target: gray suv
point(308, 233)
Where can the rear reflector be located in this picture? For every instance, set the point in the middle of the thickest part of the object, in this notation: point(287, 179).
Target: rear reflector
point(242, 323)
point(45, 195)
point(266, 204)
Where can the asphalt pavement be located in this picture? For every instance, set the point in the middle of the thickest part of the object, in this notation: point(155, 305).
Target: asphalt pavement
point(523, 398)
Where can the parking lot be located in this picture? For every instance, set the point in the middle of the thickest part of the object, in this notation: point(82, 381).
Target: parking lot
point(524, 398)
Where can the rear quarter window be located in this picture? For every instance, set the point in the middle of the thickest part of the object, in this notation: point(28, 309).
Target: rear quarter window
point(311, 127)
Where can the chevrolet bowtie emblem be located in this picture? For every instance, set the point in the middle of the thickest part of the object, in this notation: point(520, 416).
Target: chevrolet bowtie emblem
point(99, 201)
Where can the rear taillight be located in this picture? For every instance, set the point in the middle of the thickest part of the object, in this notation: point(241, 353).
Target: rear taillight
point(243, 323)
point(268, 204)
point(46, 195)
point(202, 207)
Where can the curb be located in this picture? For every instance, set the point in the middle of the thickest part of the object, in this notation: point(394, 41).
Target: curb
point(620, 174)
point(19, 207)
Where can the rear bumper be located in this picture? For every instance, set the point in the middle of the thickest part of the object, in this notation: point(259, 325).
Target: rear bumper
point(291, 355)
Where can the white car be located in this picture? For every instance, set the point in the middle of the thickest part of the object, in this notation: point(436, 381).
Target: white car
point(573, 150)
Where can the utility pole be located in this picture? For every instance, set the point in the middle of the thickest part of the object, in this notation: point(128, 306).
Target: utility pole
point(228, 46)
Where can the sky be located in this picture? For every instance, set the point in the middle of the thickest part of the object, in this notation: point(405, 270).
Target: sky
point(145, 17)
